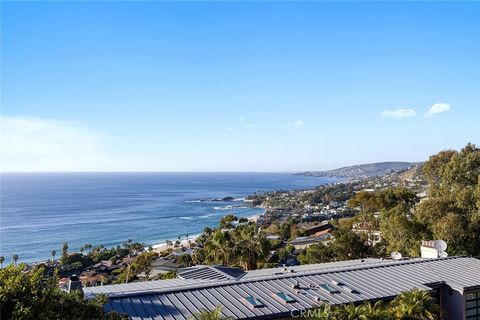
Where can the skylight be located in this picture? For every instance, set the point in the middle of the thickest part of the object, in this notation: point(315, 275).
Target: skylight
point(282, 296)
point(329, 288)
point(253, 302)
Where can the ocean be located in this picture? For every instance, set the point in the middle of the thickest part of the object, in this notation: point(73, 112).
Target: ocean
point(40, 211)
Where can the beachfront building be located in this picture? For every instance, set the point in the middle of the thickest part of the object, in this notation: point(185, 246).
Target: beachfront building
point(284, 292)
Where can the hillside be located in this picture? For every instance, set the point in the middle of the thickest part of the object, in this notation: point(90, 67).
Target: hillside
point(362, 170)
point(414, 172)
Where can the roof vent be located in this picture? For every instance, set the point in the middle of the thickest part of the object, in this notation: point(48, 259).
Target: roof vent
point(296, 285)
point(319, 299)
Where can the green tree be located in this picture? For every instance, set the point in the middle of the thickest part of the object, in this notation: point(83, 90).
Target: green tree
point(185, 260)
point(15, 258)
point(376, 311)
point(416, 304)
point(53, 253)
point(2, 260)
point(317, 253)
point(348, 245)
point(219, 248)
point(215, 314)
point(226, 222)
point(350, 312)
point(453, 199)
point(26, 295)
point(64, 253)
point(324, 312)
point(394, 197)
point(252, 247)
point(141, 263)
point(400, 233)
point(366, 201)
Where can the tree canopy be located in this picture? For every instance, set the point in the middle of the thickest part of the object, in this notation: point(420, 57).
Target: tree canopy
point(29, 295)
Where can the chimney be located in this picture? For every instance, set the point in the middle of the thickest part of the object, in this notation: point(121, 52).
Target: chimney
point(74, 284)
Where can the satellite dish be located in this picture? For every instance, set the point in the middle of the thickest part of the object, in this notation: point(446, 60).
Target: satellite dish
point(396, 255)
point(442, 254)
point(440, 245)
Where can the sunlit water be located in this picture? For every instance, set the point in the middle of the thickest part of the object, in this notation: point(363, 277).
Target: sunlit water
point(41, 211)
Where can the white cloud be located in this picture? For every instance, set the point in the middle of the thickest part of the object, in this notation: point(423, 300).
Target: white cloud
point(399, 113)
point(242, 119)
point(248, 125)
point(229, 128)
point(437, 108)
point(294, 125)
point(298, 124)
point(36, 144)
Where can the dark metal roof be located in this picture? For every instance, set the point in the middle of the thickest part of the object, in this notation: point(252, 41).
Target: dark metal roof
point(214, 272)
point(179, 299)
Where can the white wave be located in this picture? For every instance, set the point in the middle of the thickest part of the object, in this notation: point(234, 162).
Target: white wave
point(230, 207)
point(192, 201)
point(186, 218)
point(223, 208)
point(238, 200)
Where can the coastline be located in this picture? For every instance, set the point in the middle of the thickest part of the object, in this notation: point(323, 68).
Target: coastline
point(160, 207)
point(184, 241)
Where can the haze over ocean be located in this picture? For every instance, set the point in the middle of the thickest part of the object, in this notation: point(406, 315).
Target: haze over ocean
point(42, 210)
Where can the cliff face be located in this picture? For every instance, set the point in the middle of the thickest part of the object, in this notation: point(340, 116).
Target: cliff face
point(363, 170)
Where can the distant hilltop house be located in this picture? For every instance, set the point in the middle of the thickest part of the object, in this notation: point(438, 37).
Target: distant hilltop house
point(325, 225)
point(373, 236)
point(313, 235)
point(278, 293)
point(301, 243)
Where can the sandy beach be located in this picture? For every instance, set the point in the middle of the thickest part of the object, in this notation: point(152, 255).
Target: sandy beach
point(184, 241)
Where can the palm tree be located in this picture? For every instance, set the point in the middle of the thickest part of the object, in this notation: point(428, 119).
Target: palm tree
point(252, 248)
point(53, 253)
point(374, 311)
point(15, 258)
point(350, 312)
point(64, 253)
point(416, 304)
point(219, 248)
point(2, 259)
point(324, 312)
point(215, 314)
point(88, 247)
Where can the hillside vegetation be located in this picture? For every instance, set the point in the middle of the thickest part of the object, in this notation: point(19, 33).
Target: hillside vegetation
point(362, 170)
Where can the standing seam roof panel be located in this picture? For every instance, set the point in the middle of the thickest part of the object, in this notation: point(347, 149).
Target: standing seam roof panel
point(206, 293)
point(241, 299)
point(248, 292)
point(169, 308)
point(153, 304)
point(141, 308)
point(296, 305)
point(259, 292)
point(235, 301)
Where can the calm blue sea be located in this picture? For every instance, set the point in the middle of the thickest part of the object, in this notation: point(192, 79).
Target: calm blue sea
point(40, 211)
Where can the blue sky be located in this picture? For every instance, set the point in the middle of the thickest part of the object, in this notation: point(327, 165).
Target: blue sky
point(235, 86)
